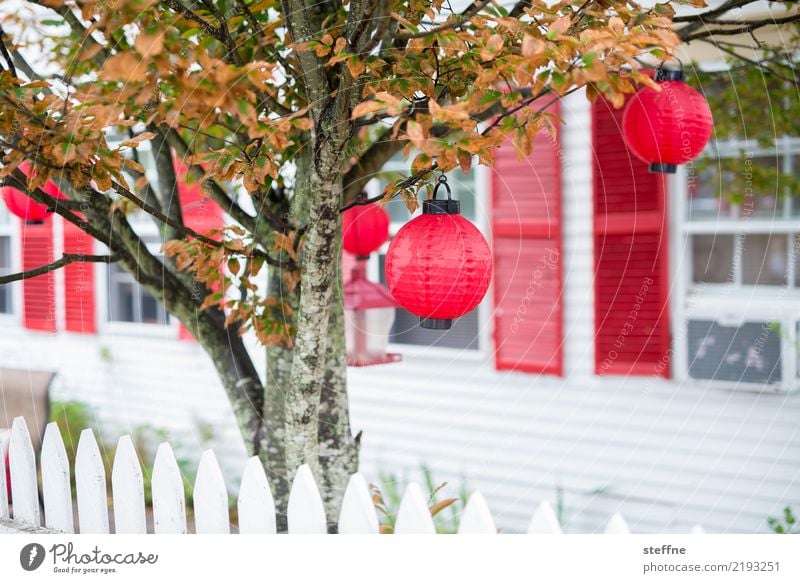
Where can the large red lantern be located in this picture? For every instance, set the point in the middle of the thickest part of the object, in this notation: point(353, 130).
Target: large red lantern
point(364, 228)
point(439, 265)
point(23, 206)
point(667, 127)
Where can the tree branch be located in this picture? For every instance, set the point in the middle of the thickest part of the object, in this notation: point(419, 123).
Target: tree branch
point(455, 22)
point(739, 27)
point(66, 259)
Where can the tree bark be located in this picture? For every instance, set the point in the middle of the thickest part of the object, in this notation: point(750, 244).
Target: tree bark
point(318, 276)
point(338, 449)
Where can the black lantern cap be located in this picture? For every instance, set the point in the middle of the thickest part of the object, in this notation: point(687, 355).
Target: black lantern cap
point(435, 323)
point(664, 74)
point(447, 206)
point(663, 168)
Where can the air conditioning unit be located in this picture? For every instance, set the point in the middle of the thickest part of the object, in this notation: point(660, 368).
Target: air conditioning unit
point(740, 351)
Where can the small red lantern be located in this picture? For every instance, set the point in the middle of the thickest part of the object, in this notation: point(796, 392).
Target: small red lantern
point(439, 265)
point(364, 228)
point(667, 127)
point(23, 206)
point(369, 308)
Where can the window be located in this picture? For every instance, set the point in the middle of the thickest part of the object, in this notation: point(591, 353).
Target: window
point(6, 267)
point(742, 237)
point(742, 217)
point(6, 306)
point(406, 329)
point(129, 302)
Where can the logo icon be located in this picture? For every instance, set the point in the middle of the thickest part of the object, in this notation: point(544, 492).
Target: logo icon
point(31, 556)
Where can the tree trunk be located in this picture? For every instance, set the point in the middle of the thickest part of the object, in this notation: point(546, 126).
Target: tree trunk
point(338, 449)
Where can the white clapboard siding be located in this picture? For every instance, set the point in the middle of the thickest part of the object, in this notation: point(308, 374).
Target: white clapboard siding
point(210, 497)
point(255, 506)
point(544, 520)
point(477, 518)
point(22, 463)
point(90, 485)
point(358, 514)
point(4, 436)
point(127, 487)
point(414, 517)
point(169, 499)
point(305, 511)
point(617, 525)
point(56, 487)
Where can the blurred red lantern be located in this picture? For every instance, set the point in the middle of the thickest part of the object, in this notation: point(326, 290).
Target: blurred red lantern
point(23, 206)
point(364, 228)
point(439, 265)
point(667, 127)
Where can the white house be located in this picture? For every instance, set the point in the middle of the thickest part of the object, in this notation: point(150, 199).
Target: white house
point(637, 351)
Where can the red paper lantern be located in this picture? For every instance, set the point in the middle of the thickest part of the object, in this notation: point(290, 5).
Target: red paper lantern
point(364, 228)
point(439, 265)
point(667, 127)
point(23, 206)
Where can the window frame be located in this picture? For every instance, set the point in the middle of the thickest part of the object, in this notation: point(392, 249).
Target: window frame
point(735, 303)
point(170, 329)
point(481, 221)
point(10, 228)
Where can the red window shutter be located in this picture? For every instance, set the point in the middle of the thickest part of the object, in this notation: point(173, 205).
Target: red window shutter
point(526, 230)
point(200, 214)
point(79, 302)
point(38, 293)
point(631, 253)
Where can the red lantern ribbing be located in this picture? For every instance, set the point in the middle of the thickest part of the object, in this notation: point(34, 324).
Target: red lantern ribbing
point(667, 127)
point(364, 228)
point(438, 266)
point(20, 204)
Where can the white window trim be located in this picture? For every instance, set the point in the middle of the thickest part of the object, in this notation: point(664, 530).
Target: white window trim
point(485, 349)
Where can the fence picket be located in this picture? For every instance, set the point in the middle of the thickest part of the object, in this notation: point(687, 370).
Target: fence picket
point(127, 489)
point(617, 525)
point(169, 500)
point(256, 507)
point(22, 463)
point(414, 517)
point(305, 511)
point(56, 488)
point(544, 520)
point(90, 483)
point(477, 518)
point(4, 436)
point(358, 511)
point(210, 497)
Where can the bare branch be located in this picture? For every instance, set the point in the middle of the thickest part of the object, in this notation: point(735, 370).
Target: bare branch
point(65, 260)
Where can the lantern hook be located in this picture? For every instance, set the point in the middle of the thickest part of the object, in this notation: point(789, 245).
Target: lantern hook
point(442, 181)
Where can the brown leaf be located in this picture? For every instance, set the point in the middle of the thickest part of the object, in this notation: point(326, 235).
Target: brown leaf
point(439, 506)
point(149, 45)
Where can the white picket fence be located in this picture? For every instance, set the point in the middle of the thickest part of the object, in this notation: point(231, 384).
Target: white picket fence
point(256, 508)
